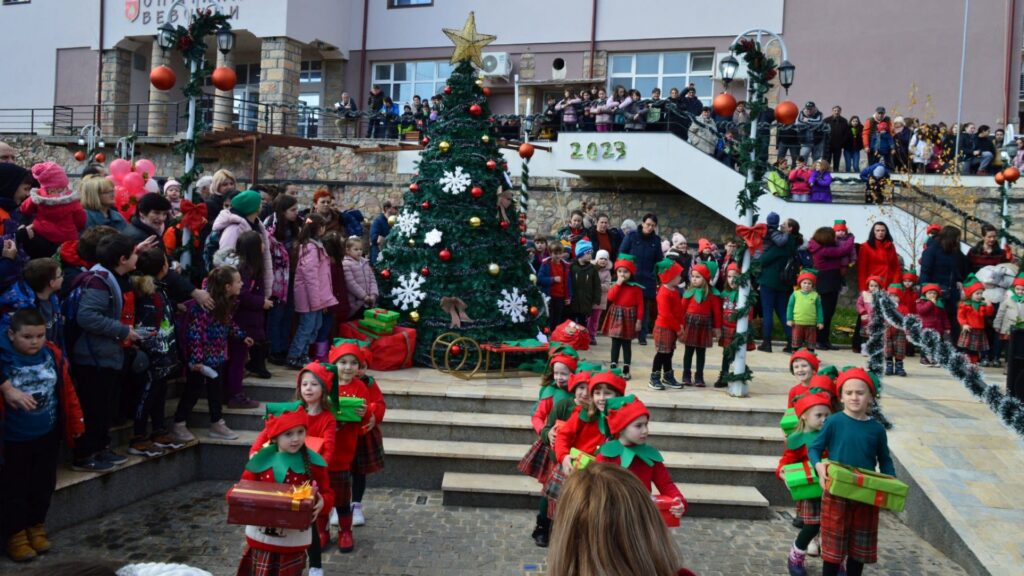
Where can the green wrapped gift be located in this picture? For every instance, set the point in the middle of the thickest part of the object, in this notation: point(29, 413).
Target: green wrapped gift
point(866, 486)
point(802, 480)
point(580, 459)
point(788, 421)
point(345, 409)
point(382, 315)
point(377, 326)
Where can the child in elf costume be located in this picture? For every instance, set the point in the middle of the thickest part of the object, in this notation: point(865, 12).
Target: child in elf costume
point(933, 314)
point(627, 419)
point(286, 460)
point(625, 309)
point(702, 320)
point(369, 457)
point(728, 298)
point(59, 216)
point(803, 364)
point(971, 315)
point(849, 529)
point(896, 338)
point(804, 314)
point(812, 409)
point(667, 325)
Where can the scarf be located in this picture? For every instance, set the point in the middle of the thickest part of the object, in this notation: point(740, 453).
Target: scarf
point(626, 454)
point(282, 462)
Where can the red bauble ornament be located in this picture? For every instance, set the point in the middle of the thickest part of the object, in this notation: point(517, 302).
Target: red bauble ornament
point(522, 217)
point(424, 271)
point(414, 187)
point(385, 274)
point(1011, 174)
point(162, 78)
point(724, 104)
point(224, 78)
point(526, 150)
point(447, 89)
point(424, 141)
point(456, 350)
point(786, 112)
point(425, 205)
point(504, 224)
point(444, 255)
point(476, 191)
point(80, 156)
point(534, 311)
point(1000, 178)
point(475, 110)
point(486, 91)
point(491, 164)
point(522, 240)
point(101, 158)
point(547, 330)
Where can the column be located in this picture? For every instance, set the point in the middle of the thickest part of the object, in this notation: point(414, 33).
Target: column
point(223, 100)
point(156, 115)
point(280, 59)
point(115, 88)
point(334, 85)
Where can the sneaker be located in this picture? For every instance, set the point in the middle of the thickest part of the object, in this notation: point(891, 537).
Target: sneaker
point(814, 548)
point(864, 352)
point(181, 433)
point(143, 447)
point(316, 572)
point(243, 402)
point(670, 380)
point(91, 464)
point(166, 441)
point(358, 519)
point(655, 383)
point(112, 457)
point(220, 430)
point(334, 517)
point(625, 372)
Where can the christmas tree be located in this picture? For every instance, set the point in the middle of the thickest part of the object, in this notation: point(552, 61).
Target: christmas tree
point(456, 260)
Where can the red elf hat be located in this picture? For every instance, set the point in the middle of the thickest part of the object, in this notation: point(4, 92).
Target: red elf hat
point(807, 402)
point(569, 361)
point(930, 287)
point(855, 373)
point(622, 411)
point(345, 348)
point(610, 378)
point(668, 270)
point(285, 421)
point(807, 355)
point(627, 264)
point(579, 378)
point(321, 372)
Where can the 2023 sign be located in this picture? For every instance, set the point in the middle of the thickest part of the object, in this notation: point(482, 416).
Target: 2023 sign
point(607, 150)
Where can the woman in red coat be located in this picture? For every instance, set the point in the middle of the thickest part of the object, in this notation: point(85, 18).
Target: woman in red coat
point(877, 257)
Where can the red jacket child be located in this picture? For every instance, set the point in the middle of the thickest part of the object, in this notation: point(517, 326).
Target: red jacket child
point(972, 313)
point(322, 425)
point(581, 431)
point(627, 295)
point(932, 314)
point(551, 393)
point(670, 309)
point(59, 215)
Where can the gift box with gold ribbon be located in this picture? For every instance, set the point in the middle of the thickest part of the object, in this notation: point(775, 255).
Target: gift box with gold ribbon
point(270, 504)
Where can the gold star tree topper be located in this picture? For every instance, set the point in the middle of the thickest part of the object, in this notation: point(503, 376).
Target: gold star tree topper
point(467, 42)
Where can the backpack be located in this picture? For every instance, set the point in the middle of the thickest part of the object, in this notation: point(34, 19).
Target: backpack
point(789, 272)
point(69, 308)
point(210, 247)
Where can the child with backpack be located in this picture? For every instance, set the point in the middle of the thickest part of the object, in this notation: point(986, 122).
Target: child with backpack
point(41, 283)
point(313, 292)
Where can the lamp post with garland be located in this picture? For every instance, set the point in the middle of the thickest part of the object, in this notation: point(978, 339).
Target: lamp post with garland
point(761, 70)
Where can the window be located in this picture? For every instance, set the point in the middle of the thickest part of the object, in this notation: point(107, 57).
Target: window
point(248, 73)
point(648, 70)
point(308, 120)
point(311, 71)
point(409, 3)
point(403, 80)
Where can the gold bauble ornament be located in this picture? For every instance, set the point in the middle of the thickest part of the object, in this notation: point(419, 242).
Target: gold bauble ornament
point(485, 139)
point(533, 278)
point(392, 220)
point(444, 146)
point(474, 222)
point(414, 316)
point(493, 269)
point(412, 241)
point(479, 81)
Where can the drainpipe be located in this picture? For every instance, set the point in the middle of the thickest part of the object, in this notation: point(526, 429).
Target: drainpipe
point(362, 53)
point(99, 70)
point(593, 37)
point(1011, 14)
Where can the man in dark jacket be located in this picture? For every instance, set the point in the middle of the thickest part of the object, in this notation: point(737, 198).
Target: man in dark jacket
point(379, 230)
point(870, 127)
point(605, 237)
point(811, 128)
point(645, 247)
point(838, 136)
point(981, 151)
point(374, 102)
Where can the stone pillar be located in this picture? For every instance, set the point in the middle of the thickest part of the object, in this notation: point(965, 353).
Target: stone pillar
point(156, 115)
point(223, 100)
point(600, 64)
point(115, 88)
point(280, 60)
point(331, 126)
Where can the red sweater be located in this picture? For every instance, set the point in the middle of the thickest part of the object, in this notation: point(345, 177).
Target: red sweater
point(795, 391)
point(583, 436)
point(375, 403)
point(348, 433)
point(319, 476)
point(322, 425)
point(932, 316)
point(908, 300)
point(711, 306)
point(657, 474)
point(670, 309)
point(627, 296)
point(540, 413)
point(968, 315)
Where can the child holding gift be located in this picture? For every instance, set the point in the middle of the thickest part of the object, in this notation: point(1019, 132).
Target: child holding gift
point(804, 314)
point(803, 364)
point(369, 457)
point(971, 315)
point(625, 309)
point(812, 409)
point(59, 216)
point(702, 320)
point(728, 299)
point(933, 314)
point(286, 460)
point(346, 357)
point(627, 419)
point(667, 325)
point(850, 529)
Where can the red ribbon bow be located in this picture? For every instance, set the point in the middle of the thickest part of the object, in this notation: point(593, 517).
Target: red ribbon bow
point(193, 216)
point(753, 235)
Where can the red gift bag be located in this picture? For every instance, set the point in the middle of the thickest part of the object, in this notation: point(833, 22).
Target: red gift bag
point(390, 352)
point(573, 334)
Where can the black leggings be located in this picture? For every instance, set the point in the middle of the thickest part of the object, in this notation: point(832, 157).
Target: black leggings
point(315, 547)
point(662, 361)
point(194, 382)
point(853, 568)
point(688, 358)
point(358, 487)
point(627, 350)
point(807, 533)
point(828, 308)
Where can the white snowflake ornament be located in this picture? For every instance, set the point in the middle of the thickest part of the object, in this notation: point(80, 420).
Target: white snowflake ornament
point(408, 294)
point(433, 237)
point(513, 305)
point(455, 182)
point(408, 222)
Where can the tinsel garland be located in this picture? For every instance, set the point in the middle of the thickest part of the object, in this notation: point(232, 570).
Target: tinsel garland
point(876, 356)
point(1009, 409)
point(1004, 193)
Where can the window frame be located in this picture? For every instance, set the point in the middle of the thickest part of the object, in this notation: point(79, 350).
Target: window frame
point(437, 82)
point(687, 74)
point(393, 5)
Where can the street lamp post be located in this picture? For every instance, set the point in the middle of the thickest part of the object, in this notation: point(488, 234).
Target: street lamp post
point(90, 137)
point(786, 71)
point(1009, 153)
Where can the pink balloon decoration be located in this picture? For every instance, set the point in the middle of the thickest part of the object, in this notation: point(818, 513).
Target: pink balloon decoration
point(120, 167)
point(133, 183)
point(145, 167)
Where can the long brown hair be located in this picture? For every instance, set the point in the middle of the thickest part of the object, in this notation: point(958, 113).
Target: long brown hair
point(217, 283)
point(608, 525)
point(825, 236)
point(949, 239)
point(310, 229)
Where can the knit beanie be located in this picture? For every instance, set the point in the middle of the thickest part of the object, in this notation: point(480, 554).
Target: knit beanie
point(247, 202)
point(583, 247)
point(804, 354)
point(602, 254)
point(50, 176)
point(172, 183)
point(622, 411)
point(773, 220)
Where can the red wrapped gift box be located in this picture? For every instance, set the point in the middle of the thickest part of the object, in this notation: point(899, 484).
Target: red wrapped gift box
point(664, 503)
point(270, 504)
point(390, 352)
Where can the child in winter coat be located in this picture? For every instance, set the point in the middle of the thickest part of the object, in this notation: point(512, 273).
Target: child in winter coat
point(604, 272)
point(799, 181)
point(555, 279)
point(971, 315)
point(58, 212)
point(603, 112)
point(313, 293)
point(702, 320)
point(930, 308)
point(359, 279)
point(625, 309)
point(1010, 316)
point(804, 313)
point(585, 280)
point(667, 326)
point(286, 460)
point(253, 302)
point(821, 182)
point(39, 289)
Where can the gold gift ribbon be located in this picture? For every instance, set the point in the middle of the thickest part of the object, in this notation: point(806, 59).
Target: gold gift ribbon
point(298, 493)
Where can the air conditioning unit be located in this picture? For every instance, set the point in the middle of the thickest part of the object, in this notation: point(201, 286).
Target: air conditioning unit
point(496, 64)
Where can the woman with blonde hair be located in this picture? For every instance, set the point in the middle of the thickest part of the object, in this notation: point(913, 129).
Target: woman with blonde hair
point(607, 525)
point(223, 183)
point(97, 197)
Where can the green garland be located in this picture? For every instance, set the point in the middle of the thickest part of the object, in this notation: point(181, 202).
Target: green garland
point(742, 338)
point(1004, 193)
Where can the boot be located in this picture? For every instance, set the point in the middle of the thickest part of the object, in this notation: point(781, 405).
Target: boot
point(721, 383)
point(345, 542)
point(889, 370)
point(668, 378)
point(37, 538)
point(766, 346)
point(656, 381)
point(687, 378)
point(899, 368)
point(625, 372)
point(257, 365)
point(19, 549)
point(796, 561)
point(322, 348)
point(542, 532)
point(699, 380)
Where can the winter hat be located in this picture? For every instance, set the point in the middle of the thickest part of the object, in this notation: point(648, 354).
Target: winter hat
point(602, 254)
point(285, 421)
point(704, 244)
point(557, 348)
point(569, 361)
point(895, 288)
point(829, 371)
point(972, 285)
point(807, 355)
point(622, 411)
point(171, 182)
point(345, 348)
point(530, 245)
point(821, 383)
point(1018, 281)
point(773, 220)
point(878, 279)
point(856, 373)
point(626, 263)
point(807, 402)
point(703, 269)
point(840, 226)
point(50, 176)
point(628, 226)
point(731, 267)
point(11, 178)
point(879, 170)
point(579, 378)
point(321, 372)
point(583, 246)
point(610, 378)
point(933, 229)
point(807, 275)
point(909, 275)
point(668, 270)
point(678, 238)
point(247, 202)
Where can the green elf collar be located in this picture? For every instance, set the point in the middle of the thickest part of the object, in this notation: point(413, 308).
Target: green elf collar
point(798, 439)
point(730, 295)
point(282, 462)
point(698, 295)
point(974, 304)
point(1016, 298)
point(616, 449)
point(555, 392)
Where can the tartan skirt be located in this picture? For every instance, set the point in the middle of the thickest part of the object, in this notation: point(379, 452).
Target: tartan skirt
point(664, 340)
point(256, 562)
point(809, 511)
point(848, 528)
point(895, 343)
point(553, 489)
point(697, 331)
point(728, 333)
point(973, 341)
point(536, 461)
point(369, 458)
point(620, 322)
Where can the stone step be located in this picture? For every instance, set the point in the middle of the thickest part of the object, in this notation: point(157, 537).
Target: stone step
point(506, 491)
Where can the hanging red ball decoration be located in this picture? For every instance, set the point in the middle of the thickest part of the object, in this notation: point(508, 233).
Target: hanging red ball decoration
point(424, 271)
point(385, 274)
point(424, 141)
point(447, 89)
point(101, 158)
point(475, 110)
point(425, 205)
point(80, 156)
point(476, 191)
point(547, 330)
point(456, 350)
point(786, 112)
point(1011, 174)
point(491, 164)
point(224, 78)
point(486, 91)
point(444, 255)
point(162, 78)
point(1000, 178)
point(504, 224)
point(522, 240)
point(414, 187)
point(724, 104)
point(526, 150)
point(534, 311)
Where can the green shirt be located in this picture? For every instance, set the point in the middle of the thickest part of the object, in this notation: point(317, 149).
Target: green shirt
point(805, 309)
point(860, 443)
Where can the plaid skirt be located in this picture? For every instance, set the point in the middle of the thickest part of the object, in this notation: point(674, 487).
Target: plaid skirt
point(848, 528)
point(895, 343)
point(553, 489)
point(256, 562)
point(620, 322)
point(804, 336)
point(536, 461)
point(809, 511)
point(697, 331)
point(664, 340)
point(369, 458)
point(728, 333)
point(973, 341)
point(341, 484)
